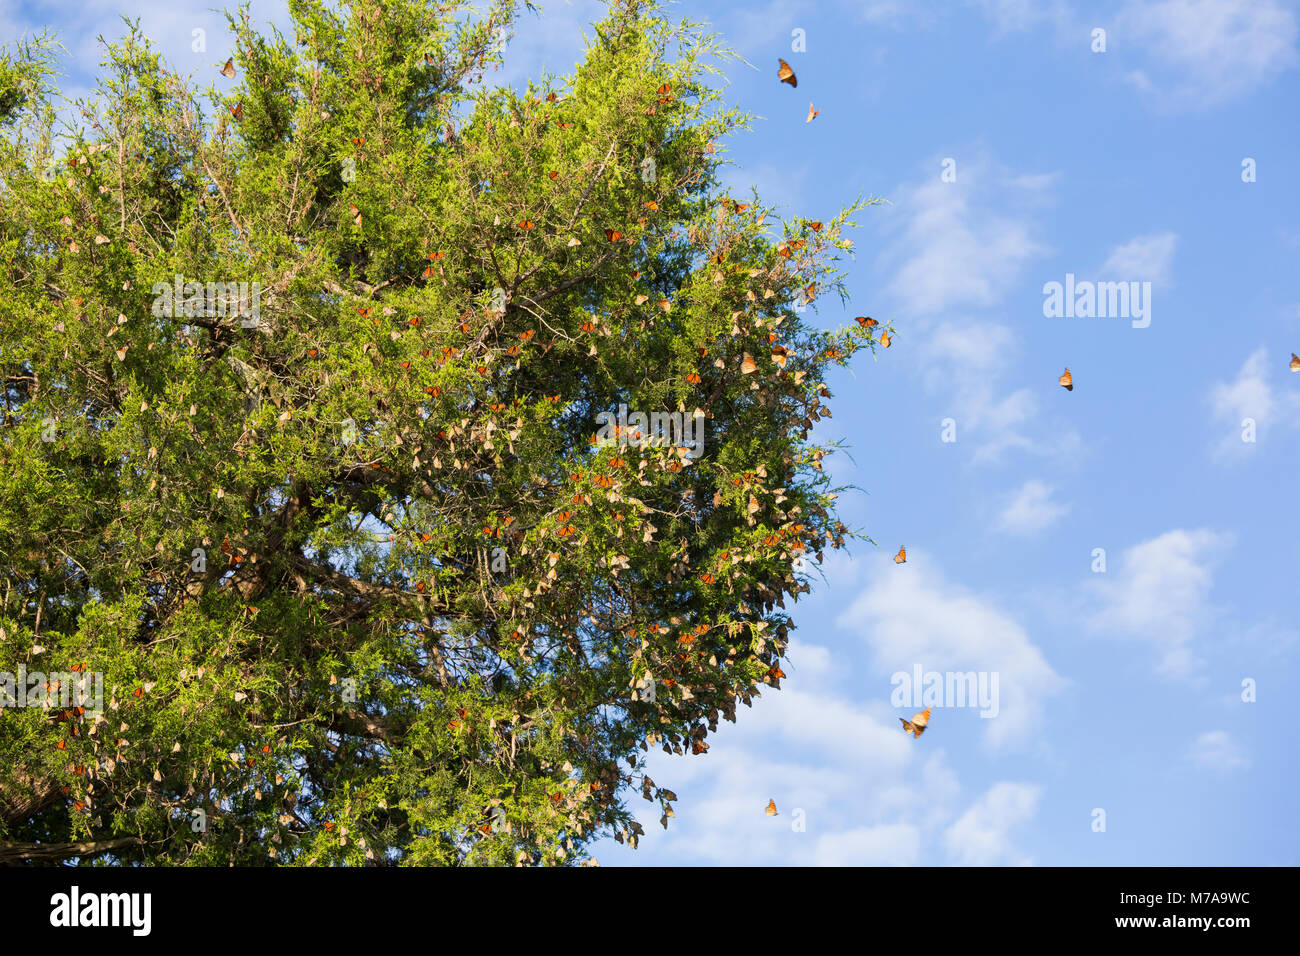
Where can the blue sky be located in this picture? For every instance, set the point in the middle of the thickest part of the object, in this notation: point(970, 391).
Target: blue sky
point(1119, 690)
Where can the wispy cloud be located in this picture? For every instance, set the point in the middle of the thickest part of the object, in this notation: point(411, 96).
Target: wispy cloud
point(1216, 750)
point(1143, 259)
point(1252, 395)
point(1160, 594)
point(982, 835)
point(1203, 53)
point(911, 615)
point(1030, 509)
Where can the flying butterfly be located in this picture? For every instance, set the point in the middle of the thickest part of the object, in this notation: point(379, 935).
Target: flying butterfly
point(901, 557)
point(916, 726)
point(1067, 382)
point(786, 74)
point(867, 321)
point(770, 810)
point(747, 365)
point(1295, 362)
point(228, 70)
point(812, 113)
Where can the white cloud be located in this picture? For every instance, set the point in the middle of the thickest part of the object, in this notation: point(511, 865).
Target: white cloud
point(1144, 259)
point(1206, 52)
point(981, 836)
point(1252, 396)
point(1216, 750)
point(965, 361)
point(910, 615)
point(1030, 509)
point(962, 244)
point(1159, 594)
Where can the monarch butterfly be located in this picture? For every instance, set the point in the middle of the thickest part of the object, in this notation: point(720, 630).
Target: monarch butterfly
point(121, 353)
point(552, 398)
point(866, 321)
point(612, 235)
point(524, 224)
point(554, 174)
point(356, 213)
point(693, 379)
point(1295, 362)
point(779, 355)
point(435, 256)
point(699, 746)
point(707, 578)
point(237, 111)
point(565, 532)
point(617, 463)
point(885, 340)
point(815, 226)
point(641, 299)
point(786, 74)
point(916, 726)
point(228, 71)
point(747, 365)
point(901, 557)
point(357, 141)
point(652, 204)
point(1066, 381)
point(604, 481)
point(812, 113)
point(665, 305)
point(563, 516)
point(665, 89)
point(525, 336)
point(563, 125)
point(550, 97)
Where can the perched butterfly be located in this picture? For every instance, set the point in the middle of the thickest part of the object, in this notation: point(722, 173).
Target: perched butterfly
point(228, 70)
point(1067, 381)
point(237, 111)
point(901, 557)
point(707, 578)
point(553, 175)
point(786, 74)
point(1295, 362)
point(885, 339)
point(747, 365)
point(356, 213)
point(550, 97)
point(779, 355)
point(866, 321)
point(815, 226)
point(524, 224)
point(916, 726)
point(665, 305)
point(812, 113)
point(357, 141)
point(665, 89)
point(699, 746)
point(612, 235)
point(121, 353)
point(652, 204)
point(693, 379)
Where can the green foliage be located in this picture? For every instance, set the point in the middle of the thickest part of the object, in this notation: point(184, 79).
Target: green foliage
point(455, 279)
